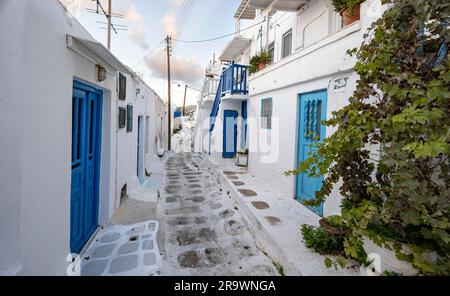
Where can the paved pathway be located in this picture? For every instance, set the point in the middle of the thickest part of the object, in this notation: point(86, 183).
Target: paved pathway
point(204, 232)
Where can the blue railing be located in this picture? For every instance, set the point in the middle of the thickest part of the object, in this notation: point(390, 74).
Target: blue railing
point(215, 108)
point(233, 81)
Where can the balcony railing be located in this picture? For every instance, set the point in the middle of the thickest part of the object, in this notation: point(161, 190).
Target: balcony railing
point(215, 108)
point(235, 80)
point(210, 87)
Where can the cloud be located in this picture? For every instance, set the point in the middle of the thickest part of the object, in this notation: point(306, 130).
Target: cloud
point(132, 14)
point(169, 24)
point(182, 69)
point(176, 3)
point(137, 34)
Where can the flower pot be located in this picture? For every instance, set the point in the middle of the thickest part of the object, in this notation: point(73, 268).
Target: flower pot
point(261, 66)
point(388, 260)
point(349, 17)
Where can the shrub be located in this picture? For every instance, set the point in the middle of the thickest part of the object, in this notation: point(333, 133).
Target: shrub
point(262, 58)
point(320, 241)
point(401, 107)
point(340, 5)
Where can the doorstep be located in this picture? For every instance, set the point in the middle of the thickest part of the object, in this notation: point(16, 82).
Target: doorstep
point(275, 222)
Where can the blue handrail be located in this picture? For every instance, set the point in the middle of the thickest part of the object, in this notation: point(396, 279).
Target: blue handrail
point(215, 108)
point(232, 81)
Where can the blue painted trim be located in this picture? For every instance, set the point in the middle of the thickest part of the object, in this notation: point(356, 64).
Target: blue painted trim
point(98, 157)
point(138, 145)
point(86, 86)
point(244, 106)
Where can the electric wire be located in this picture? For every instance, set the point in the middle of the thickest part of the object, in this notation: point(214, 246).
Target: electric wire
point(188, 14)
point(219, 37)
point(148, 54)
point(181, 13)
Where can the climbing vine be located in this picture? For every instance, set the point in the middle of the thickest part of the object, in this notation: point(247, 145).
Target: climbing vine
point(391, 148)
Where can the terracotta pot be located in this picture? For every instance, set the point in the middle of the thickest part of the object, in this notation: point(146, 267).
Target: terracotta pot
point(261, 66)
point(349, 18)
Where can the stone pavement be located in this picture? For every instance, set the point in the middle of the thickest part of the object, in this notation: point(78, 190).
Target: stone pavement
point(204, 231)
point(275, 221)
point(123, 250)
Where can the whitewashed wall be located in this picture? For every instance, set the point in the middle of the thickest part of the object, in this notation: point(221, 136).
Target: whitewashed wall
point(319, 61)
point(36, 130)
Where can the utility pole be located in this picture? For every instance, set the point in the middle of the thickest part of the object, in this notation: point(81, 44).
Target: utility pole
point(109, 16)
point(169, 104)
point(184, 101)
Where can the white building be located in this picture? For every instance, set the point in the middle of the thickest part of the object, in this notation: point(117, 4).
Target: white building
point(309, 77)
point(71, 119)
point(204, 106)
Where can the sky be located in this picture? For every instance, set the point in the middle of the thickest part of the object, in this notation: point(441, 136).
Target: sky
point(148, 22)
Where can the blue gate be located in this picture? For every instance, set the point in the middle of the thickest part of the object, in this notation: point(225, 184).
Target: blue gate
point(86, 142)
point(312, 111)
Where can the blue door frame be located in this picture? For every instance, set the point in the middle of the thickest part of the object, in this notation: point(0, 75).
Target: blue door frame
point(229, 133)
point(138, 174)
point(244, 125)
point(86, 149)
point(311, 131)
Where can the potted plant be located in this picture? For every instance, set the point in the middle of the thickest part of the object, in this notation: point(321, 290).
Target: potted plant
point(242, 158)
point(259, 61)
point(348, 9)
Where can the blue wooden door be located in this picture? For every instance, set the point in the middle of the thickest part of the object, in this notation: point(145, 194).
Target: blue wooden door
point(312, 111)
point(86, 137)
point(229, 134)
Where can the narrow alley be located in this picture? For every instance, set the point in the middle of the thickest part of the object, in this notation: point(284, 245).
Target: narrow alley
point(196, 226)
point(205, 233)
point(275, 138)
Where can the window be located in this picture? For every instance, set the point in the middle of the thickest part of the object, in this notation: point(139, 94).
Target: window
point(287, 44)
point(129, 118)
point(122, 87)
point(266, 113)
point(122, 117)
point(271, 51)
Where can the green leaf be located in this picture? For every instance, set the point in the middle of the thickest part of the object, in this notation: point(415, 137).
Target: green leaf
point(328, 262)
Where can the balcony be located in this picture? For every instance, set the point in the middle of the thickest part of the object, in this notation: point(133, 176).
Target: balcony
point(247, 8)
point(209, 89)
point(234, 81)
point(233, 84)
point(234, 48)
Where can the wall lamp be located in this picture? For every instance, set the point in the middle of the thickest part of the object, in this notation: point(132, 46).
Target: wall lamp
point(101, 73)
